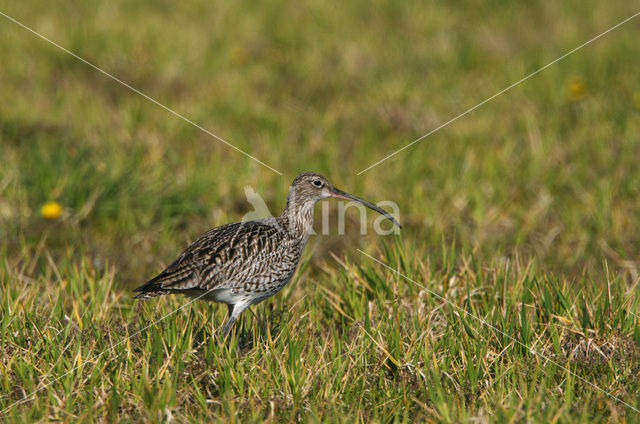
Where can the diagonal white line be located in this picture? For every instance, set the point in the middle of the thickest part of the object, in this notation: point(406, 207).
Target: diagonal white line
point(530, 349)
point(499, 93)
point(220, 139)
point(27, 397)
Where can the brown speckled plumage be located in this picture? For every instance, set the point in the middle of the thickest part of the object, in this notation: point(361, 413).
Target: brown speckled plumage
point(244, 263)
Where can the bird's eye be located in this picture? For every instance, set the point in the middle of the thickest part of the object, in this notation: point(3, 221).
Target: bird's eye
point(317, 183)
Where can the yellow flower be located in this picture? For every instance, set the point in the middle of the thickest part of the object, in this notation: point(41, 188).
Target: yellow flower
point(576, 90)
point(239, 55)
point(51, 210)
point(636, 99)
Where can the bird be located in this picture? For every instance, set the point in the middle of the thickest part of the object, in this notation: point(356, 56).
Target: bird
point(244, 263)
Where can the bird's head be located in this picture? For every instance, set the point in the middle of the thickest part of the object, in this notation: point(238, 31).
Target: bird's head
point(309, 187)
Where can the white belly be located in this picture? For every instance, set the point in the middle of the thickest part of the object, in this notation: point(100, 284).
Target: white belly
point(230, 296)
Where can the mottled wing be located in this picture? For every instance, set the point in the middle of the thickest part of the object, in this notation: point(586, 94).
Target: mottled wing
point(217, 257)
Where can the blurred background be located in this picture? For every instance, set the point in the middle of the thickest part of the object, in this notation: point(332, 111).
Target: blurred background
point(547, 171)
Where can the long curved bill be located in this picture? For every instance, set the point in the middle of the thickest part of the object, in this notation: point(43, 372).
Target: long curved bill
point(344, 195)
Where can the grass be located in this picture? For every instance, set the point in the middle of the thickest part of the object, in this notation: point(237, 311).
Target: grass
point(524, 213)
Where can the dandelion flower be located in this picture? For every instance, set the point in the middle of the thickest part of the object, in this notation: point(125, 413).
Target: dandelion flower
point(51, 210)
point(239, 55)
point(636, 99)
point(576, 90)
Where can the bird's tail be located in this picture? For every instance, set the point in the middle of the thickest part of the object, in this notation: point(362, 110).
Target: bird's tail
point(150, 289)
point(150, 294)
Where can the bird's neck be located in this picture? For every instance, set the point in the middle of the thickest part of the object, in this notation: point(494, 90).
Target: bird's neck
point(297, 218)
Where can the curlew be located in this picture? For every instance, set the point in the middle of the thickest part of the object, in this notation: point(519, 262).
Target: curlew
point(244, 263)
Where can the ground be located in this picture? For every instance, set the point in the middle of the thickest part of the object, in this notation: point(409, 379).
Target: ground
point(510, 293)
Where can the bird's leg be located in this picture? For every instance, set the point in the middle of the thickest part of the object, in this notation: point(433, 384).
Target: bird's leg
point(253, 313)
point(230, 320)
point(258, 321)
point(234, 313)
point(228, 325)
